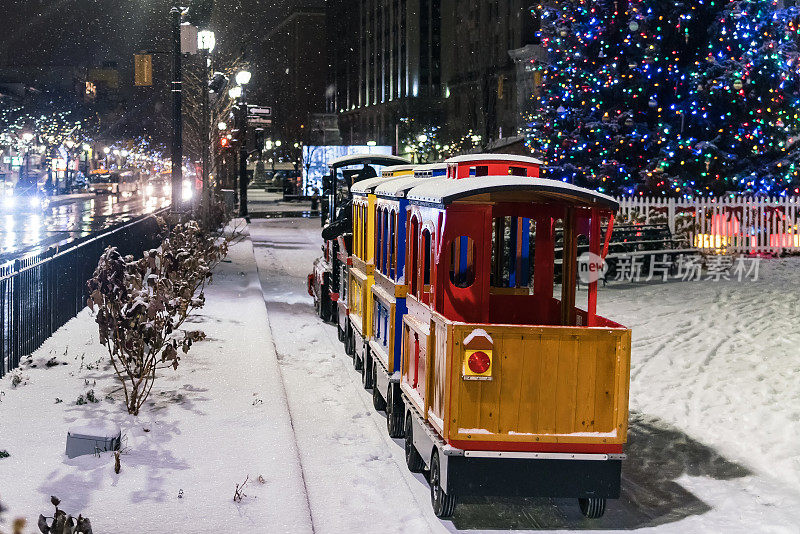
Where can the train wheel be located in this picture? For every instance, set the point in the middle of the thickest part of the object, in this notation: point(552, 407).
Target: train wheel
point(377, 400)
point(394, 414)
point(444, 504)
point(593, 507)
point(413, 459)
point(358, 361)
point(366, 372)
point(348, 341)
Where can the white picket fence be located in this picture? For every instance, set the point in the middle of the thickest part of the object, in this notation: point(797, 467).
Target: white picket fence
point(746, 225)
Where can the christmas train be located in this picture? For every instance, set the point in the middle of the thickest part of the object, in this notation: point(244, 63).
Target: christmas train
point(454, 289)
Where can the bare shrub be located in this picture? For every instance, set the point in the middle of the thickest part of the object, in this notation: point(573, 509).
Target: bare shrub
point(141, 305)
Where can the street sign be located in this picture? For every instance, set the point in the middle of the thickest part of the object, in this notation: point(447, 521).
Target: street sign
point(260, 110)
point(255, 120)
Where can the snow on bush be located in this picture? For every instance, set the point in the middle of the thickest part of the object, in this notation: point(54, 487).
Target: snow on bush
point(141, 305)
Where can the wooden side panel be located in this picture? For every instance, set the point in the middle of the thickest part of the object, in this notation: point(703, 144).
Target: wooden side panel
point(440, 372)
point(548, 385)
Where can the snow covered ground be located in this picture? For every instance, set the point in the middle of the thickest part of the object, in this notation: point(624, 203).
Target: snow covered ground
point(713, 440)
point(221, 417)
point(713, 443)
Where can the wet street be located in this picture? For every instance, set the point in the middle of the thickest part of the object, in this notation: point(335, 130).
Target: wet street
point(23, 231)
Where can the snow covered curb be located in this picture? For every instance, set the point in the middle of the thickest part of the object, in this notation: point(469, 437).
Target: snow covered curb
point(221, 417)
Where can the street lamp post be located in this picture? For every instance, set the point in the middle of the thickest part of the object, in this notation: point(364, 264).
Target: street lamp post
point(235, 93)
point(177, 119)
point(243, 78)
point(206, 41)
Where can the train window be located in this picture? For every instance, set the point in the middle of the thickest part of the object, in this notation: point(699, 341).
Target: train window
point(517, 171)
point(392, 243)
point(364, 233)
point(462, 261)
point(411, 264)
point(479, 170)
point(378, 248)
point(513, 248)
point(427, 251)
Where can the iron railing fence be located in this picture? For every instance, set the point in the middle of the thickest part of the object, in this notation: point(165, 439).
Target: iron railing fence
point(40, 292)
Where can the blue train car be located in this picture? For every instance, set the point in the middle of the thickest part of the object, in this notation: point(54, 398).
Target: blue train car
point(382, 362)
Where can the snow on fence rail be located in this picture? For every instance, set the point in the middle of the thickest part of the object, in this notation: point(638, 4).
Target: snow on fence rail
point(747, 225)
point(42, 291)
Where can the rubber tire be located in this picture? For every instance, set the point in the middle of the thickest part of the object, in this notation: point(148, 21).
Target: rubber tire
point(593, 507)
point(413, 459)
point(348, 341)
point(394, 414)
point(444, 504)
point(377, 400)
point(366, 372)
point(358, 363)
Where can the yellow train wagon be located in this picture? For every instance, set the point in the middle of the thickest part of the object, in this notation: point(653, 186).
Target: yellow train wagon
point(361, 272)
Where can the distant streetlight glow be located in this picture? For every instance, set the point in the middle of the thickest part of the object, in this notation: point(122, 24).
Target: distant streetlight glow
point(222, 126)
point(235, 92)
point(278, 143)
point(106, 149)
point(243, 77)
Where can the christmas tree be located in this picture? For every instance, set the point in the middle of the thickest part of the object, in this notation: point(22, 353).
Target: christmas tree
point(684, 98)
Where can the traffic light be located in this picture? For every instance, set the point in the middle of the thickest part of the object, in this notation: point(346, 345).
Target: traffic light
point(224, 142)
point(143, 69)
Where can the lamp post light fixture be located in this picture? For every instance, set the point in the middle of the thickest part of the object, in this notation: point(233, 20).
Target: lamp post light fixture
point(235, 92)
point(206, 40)
point(222, 126)
point(243, 77)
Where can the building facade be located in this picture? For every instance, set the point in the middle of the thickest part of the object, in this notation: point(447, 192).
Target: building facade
point(479, 73)
point(399, 66)
point(385, 66)
point(295, 76)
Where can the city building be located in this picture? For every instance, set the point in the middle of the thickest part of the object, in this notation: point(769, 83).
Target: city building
point(385, 67)
point(483, 94)
point(295, 78)
point(415, 64)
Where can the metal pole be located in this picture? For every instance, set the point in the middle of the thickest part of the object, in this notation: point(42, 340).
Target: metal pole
point(243, 156)
point(206, 204)
point(177, 118)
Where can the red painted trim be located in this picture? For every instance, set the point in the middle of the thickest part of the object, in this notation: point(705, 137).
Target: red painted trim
point(335, 297)
point(591, 448)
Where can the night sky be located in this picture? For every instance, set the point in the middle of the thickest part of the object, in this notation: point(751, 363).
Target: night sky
point(89, 32)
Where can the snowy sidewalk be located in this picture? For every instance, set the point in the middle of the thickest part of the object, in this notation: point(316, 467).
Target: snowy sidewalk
point(221, 417)
point(356, 475)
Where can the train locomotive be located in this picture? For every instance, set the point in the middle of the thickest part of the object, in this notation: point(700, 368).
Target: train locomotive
point(496, 370)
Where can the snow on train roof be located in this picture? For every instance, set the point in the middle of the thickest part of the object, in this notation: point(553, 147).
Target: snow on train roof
point(431, 167)
point(377, 159)
point(365, 187)
point(399, 187)
point(466, 158)
point(400, 168)
point(442, 191)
